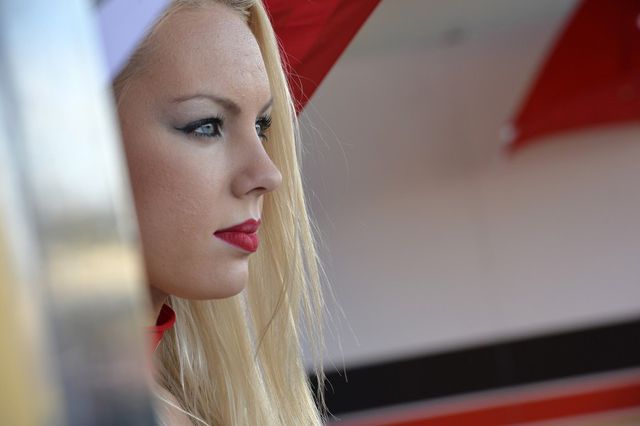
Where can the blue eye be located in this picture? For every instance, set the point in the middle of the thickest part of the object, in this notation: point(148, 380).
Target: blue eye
point(208, 127)
point(262, 125)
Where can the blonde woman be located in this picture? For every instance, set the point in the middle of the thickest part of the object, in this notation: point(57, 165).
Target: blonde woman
point(209, 132)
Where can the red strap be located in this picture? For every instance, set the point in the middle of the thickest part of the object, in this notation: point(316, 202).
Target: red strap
point(313, 35)
point(166, 319)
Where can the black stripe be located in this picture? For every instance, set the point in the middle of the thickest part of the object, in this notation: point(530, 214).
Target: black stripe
point(511, 363)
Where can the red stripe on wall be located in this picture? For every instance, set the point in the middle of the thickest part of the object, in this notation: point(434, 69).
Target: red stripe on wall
point(534, 409)
point(529, 411)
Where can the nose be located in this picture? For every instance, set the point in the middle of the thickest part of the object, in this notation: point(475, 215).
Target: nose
point(257, 174)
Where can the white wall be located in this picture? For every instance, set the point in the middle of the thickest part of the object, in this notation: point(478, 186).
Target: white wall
point(433, 238)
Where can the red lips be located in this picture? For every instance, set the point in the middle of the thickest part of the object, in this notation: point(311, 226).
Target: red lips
point(242, 235)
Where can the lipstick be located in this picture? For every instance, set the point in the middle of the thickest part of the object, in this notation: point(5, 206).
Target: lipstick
point(243, 235)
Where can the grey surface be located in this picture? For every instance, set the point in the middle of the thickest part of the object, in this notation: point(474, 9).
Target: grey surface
point(68, 215)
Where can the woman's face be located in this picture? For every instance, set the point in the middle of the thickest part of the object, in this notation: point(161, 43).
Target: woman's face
point(193, 123)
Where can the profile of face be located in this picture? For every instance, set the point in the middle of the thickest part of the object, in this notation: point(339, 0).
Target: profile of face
point(194, 123)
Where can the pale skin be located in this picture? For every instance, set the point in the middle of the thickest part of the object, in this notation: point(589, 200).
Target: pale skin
point(194, 130)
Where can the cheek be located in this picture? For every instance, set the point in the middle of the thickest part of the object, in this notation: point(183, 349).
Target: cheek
point(175, 189)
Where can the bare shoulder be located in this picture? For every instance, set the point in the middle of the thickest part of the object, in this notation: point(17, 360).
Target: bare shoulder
point(169, 413)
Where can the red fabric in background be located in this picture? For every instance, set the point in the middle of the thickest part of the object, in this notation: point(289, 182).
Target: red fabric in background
point(591, 76)
point(313, 34)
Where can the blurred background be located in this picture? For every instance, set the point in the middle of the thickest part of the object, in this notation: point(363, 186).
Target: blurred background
point(473, 273)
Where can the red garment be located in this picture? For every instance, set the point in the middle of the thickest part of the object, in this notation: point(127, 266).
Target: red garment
point(165, 321)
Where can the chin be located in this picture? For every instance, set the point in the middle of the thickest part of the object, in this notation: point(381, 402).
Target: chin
point(227, 291)
point(218, 288)
point(219, 292)
point(198, 282)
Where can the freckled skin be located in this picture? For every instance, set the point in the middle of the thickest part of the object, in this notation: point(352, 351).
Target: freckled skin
point(186, 187)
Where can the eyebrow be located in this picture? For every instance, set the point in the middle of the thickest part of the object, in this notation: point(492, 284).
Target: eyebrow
point(226, 103)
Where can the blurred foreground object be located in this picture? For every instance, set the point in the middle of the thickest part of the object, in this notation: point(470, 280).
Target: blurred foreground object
point(590, 78)
point(73, 347)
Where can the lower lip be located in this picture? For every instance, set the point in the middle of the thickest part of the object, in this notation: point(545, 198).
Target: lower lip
point(248, 242)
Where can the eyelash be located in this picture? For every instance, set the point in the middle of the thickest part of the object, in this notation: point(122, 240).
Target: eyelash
point(190, 129)
point(263, 122)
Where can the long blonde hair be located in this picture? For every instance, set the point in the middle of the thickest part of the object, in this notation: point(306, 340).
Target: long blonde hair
point(238, 361)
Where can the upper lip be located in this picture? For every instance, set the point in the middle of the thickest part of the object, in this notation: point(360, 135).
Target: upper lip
point(248, 226)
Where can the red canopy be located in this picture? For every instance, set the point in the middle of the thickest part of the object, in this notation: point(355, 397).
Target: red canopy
point(590, 78)
point(313, 34)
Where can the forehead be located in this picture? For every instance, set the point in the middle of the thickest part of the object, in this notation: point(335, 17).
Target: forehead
point(207, 49)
